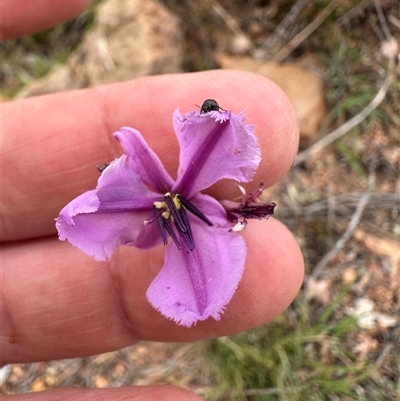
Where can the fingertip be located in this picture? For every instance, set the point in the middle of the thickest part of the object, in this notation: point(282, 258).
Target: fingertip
point(274, 271)
point(68, 290)
point(139, 393)
point(21, 17)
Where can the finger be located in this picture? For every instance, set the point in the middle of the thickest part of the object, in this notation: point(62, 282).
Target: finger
point(21, 17)
point(141, 393)
point(59, 303)
point(52, 144)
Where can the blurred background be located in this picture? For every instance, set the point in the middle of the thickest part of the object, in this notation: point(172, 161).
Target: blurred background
point(338, 62)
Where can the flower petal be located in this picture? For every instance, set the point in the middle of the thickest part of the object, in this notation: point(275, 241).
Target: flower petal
point(214, 146)
point(98, 234)
point(195, 285)
point(98, 221)
point(148, 164)
point(121, 188)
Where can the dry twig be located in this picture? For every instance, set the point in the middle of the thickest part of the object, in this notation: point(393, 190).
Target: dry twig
point(355, 220)
point(344, 202)
point(300, 37)
point(345, 237)
point(356, 10)
point(382, 19)
point(280, 30)
point(394, 21)
point(233, 25)
point(376, 101)
point(350, 124)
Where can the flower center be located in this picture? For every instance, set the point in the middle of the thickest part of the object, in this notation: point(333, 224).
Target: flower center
point(170, 215)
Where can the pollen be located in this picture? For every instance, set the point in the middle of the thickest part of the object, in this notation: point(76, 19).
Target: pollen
point(160, 205)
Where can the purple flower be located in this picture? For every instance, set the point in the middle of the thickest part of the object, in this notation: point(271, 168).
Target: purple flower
point(136, 202)
point(249, 207)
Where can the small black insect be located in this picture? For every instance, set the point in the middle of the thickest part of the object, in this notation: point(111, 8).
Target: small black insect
point(210, 105)
point(102, 167)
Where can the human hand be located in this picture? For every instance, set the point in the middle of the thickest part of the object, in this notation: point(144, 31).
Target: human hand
point(60, 303)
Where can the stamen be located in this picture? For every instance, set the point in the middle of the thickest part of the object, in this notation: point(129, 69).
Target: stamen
point(157, 213)
point(168, 226)
point(160, 225)
point(193, 209)
point(188, 235)
point(175, 212)
point(172, 212)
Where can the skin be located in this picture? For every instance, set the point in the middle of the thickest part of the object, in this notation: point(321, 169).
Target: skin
point(59, 303)
point(21, 17)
